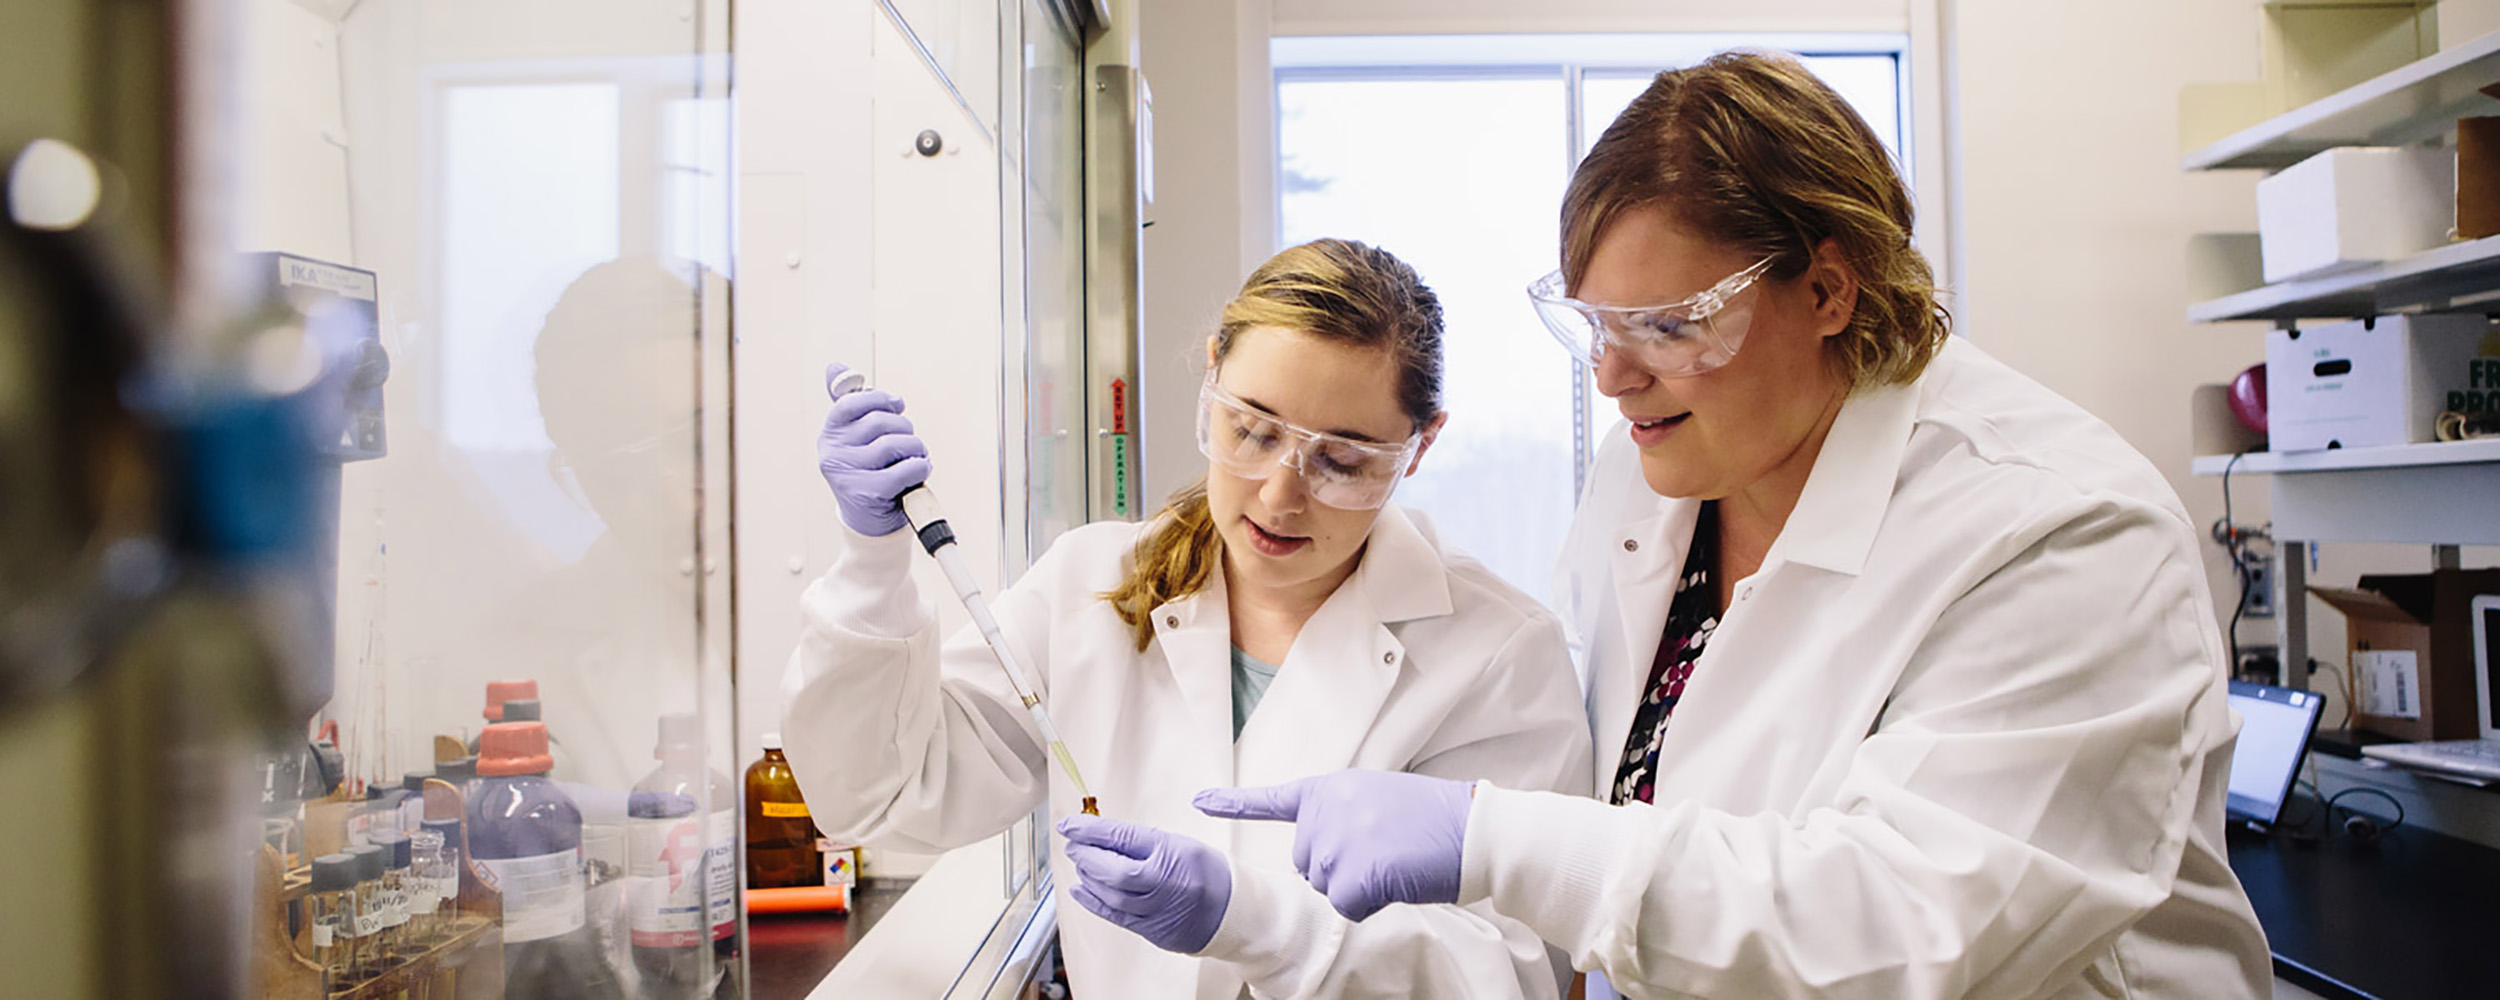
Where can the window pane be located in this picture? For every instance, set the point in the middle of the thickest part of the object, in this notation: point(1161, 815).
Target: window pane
point(1460, 178)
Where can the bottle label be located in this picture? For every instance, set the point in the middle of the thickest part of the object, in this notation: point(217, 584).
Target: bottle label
point(785, 810)
point(421, 898)
point(542, 896)
point(368, 922)
point(722, 861)
point(321, 935)
point(841, 863)
point(682, 867)
point(395, 908)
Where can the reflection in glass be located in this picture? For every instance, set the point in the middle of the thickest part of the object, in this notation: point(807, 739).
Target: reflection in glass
point(542, 197)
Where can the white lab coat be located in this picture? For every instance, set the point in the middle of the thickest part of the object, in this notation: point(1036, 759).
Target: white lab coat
point(1963, 733)
point(1422, 661)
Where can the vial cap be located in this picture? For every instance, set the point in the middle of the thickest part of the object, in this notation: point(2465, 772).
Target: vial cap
point(772, 741)
point(457, 771)
point(368, 861)
point(510, 748)
point(395, 848)
point(333, 872)
point(521, 710)
point(446, 832)
point(679, 731)
point(414, 781)
point(498, 692)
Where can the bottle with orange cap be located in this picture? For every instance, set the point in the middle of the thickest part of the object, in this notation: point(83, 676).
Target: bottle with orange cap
point(525, 841)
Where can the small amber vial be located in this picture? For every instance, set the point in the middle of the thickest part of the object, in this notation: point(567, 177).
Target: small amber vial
point(1088, 807)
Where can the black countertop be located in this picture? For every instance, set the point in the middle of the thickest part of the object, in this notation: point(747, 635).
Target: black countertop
point(789, 953)
point(2411, 916)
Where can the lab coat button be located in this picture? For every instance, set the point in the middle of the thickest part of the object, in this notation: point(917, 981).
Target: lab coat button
point(1631, 546)
point(1390, 657)
point(1171, 621)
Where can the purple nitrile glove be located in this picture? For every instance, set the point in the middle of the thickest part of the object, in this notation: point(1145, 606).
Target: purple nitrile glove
point(1364, 839)
point(869, 456)
point(1164, 887)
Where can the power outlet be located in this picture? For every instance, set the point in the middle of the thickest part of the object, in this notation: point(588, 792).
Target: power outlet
point(2260, 602)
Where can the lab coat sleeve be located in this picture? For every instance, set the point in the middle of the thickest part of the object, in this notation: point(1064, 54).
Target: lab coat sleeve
point(2023, 799)
point(1522, 724)
point(896, 742)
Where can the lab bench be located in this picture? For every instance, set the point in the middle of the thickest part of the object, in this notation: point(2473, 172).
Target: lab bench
point(788, 954)
point(2405, 916)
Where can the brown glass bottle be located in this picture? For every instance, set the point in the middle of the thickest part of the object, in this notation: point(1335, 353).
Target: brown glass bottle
point(781, 839)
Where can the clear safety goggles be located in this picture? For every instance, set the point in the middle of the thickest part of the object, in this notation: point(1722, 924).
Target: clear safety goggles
point(1339, 471)
point(1670, 341)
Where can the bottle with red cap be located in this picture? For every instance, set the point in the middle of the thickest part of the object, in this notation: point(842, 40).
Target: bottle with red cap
point(525, 839)
point(497, 693)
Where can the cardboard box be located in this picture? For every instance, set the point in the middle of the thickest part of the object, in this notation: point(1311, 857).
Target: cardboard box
point(2313, 48)
point(2355, 206)
point(2363, 384)
point(2478, 178)
point(2410, 652)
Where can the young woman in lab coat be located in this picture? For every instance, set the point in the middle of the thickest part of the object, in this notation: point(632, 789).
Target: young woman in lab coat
point(1943, 674)
point(1154, 642)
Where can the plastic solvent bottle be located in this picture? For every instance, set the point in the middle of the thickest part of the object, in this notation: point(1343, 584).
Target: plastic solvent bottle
point(681, 843)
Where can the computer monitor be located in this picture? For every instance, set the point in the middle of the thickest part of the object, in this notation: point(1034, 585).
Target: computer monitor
point(2275, 724)
point(2487, 661)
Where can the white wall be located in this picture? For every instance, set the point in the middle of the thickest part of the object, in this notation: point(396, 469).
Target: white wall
point(1214, 214)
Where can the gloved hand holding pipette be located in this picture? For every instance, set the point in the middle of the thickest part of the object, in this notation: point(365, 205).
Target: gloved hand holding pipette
point(879, 472)
point(868, 454)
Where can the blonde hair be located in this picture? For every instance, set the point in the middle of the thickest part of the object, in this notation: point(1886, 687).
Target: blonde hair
point(1337, 290)
point(1754, 151)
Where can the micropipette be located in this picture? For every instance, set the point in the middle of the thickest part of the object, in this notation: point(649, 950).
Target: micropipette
point(920, 506)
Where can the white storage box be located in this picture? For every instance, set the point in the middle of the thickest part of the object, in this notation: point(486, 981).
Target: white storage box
point(2349, 385)
point(2354, 206)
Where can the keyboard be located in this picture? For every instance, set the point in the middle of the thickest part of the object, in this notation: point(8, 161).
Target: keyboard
point(2479, 758)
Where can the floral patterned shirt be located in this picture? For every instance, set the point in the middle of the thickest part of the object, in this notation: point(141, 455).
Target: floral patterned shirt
point(1690, 620)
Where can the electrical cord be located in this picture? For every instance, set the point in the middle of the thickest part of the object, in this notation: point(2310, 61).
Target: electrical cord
point(2361, 826)
point(2239, 567)
point(2343, 684)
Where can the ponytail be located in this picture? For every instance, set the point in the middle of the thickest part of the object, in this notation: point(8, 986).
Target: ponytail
point(1176, 558)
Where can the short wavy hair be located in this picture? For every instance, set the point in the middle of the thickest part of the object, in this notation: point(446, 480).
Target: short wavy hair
point(1752, 150)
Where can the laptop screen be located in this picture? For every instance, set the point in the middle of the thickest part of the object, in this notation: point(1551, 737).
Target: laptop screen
point(2275, 724)
point(2487, 660)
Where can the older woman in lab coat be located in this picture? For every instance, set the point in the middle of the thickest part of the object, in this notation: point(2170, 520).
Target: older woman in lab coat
point(1153, 642)
point(1944, 681)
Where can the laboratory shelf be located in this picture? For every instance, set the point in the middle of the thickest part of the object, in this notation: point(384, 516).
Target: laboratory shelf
point(2443, 493)
point(2348, 459)
point(2455, 276)
point(2406, 105)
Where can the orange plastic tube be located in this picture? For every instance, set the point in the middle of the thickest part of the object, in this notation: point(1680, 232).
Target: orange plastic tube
point(800, 899)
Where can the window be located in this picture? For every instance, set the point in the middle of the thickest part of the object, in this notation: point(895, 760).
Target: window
point(1452, 152)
